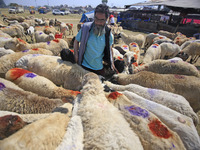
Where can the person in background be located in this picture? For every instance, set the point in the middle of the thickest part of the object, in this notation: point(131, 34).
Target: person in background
point(93, 43)
point(111, 19)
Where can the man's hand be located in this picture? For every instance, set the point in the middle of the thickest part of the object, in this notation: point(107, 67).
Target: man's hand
point(76, 48)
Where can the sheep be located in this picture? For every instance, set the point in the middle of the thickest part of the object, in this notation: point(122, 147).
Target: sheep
point(139, 39)
point(142, 122)
point(45, 134)
point(5, 35)
point(42, 37)
point(168, 99)
point(152, 53)
point(15, 17)
point(4, 51)
point(185, 44)
point(116, 53)
point(25, 102)
point(3, 40)
point(169, 67)
point(170, 35)
point(10, 124)
point(177, 122)
point(133, 47)
point(101, 119)
point(73, 139)
point(8, 61)
point(55, 45)
point(193, 50)
point(13, 31)
point(49, 29)
point(121, 50)
point(149, 40)
point(9, 22)
point(70, 27)
point(187, 86)
point(161, 38)
point(30, 32)
point(42, 86)
point(55, 69)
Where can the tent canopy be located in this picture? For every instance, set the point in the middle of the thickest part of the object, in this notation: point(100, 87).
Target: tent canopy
point(87, 17)
point(189, 6)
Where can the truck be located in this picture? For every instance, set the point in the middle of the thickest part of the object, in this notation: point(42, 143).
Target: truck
point(16, 9)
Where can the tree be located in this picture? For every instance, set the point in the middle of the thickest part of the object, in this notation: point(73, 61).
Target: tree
point(2, 4)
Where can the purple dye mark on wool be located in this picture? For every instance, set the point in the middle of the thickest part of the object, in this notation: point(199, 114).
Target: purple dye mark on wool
point(40, 33)
point(48, 42)
point(134, 45)
point(154, 46)
point(173, 61)
point(152, 92)
point(35, 55)
point(30, 75)
point(2, 86)
point(137, 111)
point(173, 146)
point(25, 50)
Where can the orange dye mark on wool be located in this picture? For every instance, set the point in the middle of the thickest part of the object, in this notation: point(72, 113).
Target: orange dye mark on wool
point(18, 72)
point(135, 64)
point(158, 129)
point(156, 44)
point(35, 49)
point(114, 95)
point(124, 46)
point(22, 41)
point(56, 40)
point(133, 43)
point(135, 56)
point(10, 119)
point(74, 92)
point(119, 58)
point(71, 50)
point(160, 37)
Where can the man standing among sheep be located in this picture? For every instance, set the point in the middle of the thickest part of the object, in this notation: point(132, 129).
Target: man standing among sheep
point(96, 42)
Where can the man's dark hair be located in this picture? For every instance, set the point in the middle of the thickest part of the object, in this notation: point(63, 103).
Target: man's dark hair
point(102, 8)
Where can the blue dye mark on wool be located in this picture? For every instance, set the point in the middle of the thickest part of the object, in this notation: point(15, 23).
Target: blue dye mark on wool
point(152, 92)
point(134, 45)
point(48, 42)
point(40, 33)
point(2, 86)
point(137, 111)
point(35, 55)
point(25, 50)
point(30, 75)
point(173, 146)
point(173, 61)
point(154, 46)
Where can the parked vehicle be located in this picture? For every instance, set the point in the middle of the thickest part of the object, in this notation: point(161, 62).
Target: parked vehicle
point(58, 12)
point(66, 12)
point(16, 10)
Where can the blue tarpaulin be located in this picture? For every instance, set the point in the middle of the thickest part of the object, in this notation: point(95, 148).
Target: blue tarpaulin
point(87, 17)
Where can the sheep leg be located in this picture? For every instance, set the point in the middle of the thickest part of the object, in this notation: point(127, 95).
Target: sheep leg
point(194, 59)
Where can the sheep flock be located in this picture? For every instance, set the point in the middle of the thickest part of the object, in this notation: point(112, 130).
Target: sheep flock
point(50, 103)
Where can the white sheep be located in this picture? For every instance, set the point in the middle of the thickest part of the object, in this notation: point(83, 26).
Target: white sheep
point(149, 40)
point(185, 44)
point(139, 39)
point(193, 50)
point(55, 69)
point(187, 86)
point(45, 133)
point(100, 119)
point(169, 67)
point(55, 45)
point(5, 35)
point(42, 37)
point(25, 102)
point(8, 61)
point(73, 138)
point(42, 86)
point(177, 122)
point(3, 40)
point(168, 34)
point(30, 31)
point(143, 123)
point(4, 51)
point(168, 99)
point(152, 53)
point(169, 50)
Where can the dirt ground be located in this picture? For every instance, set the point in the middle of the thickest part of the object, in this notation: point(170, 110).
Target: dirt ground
point(74, 19)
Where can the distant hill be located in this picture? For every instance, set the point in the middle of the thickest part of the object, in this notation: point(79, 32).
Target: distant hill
point(2, 4)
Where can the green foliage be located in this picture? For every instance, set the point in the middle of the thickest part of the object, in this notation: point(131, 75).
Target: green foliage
point(13, 4)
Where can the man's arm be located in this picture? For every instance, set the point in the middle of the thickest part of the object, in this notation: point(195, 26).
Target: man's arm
point(76, 48)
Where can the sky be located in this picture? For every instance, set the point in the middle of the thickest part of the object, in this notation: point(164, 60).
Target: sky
point(73, 3)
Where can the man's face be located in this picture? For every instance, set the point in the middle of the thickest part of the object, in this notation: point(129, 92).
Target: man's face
point(99, 21)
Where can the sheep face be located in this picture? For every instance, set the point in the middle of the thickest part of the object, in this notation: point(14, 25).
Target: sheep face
point(11, 44)
point(182, 55)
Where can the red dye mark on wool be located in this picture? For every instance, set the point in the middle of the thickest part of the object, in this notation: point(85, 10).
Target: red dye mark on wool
point(74, 92)
point(179, 76)
point(56, 40)
point(114, 95)
point(158, 129)
point(119, 58)
point(22, 41)
point(17, 72)
point(35, 49)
